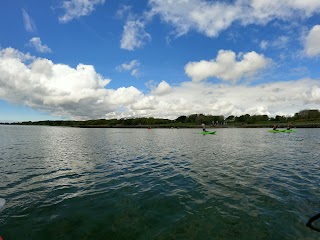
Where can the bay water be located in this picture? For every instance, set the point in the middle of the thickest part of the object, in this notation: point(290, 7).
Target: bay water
point(109, 183)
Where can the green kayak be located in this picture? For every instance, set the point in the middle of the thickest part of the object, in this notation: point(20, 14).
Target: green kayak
point(282, 130)
point(207, 132)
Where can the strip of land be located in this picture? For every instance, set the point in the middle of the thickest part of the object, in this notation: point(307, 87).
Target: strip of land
point(302, 119)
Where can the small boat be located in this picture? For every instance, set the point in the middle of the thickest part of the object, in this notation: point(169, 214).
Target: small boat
point(282, 130)
point(207, 132)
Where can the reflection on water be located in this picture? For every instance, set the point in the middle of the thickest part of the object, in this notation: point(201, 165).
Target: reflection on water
point(69, 183)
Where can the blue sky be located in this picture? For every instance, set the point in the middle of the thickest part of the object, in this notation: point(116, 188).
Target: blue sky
point(88, 59)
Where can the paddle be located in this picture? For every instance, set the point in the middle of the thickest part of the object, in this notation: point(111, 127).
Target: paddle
point(311, 220)
point(2, 202)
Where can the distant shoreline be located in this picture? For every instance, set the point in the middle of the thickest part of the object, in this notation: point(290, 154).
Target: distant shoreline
point(303, 119)
point(208, 127)
point(279, 125)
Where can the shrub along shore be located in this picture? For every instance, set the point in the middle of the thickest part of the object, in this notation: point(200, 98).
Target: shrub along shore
point(174, 126)
point(302, 119)
point(304, 125)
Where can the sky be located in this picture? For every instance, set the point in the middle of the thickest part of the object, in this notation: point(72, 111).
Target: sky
point(103, 59)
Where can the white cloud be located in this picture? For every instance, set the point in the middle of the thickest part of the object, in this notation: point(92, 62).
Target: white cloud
point(82, 93)
point(29, 24)
point(205, 17)
point(212, 17)
point(280, 42)
point(135, 72)
point(146, 103)
point(123, 10)
point(132, 66)
point(226, 66)
point(38, 46)
point(264, 11)
point(315, 93)
point(264, 44)
point(57, 88)
point(128, 66)
point(312, 42)
point(162, 88)
point(78, 8)
point(209, 98)
point(134, 36)
point(124, 96)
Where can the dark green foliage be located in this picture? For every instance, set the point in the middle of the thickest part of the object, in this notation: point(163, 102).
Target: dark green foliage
point(200, 118)
point(194, 120)
point(181, 119)
point(307, 114)
point(231, 118)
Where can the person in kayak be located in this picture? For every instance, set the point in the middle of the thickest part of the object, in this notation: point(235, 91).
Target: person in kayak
point(203, 127)
point(288, 127)
point(274, 127)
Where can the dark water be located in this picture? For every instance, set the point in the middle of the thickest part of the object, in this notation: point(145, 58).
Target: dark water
point(71, 183)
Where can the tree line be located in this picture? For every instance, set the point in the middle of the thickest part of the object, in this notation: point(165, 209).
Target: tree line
point(185, 121)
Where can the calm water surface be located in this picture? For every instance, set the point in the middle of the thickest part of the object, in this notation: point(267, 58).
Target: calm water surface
point(72, 183)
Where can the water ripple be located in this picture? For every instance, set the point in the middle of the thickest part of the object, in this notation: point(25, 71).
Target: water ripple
point(157, 184)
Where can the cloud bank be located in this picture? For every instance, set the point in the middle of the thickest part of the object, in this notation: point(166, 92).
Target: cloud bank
point(82, 93)
point(57, 88)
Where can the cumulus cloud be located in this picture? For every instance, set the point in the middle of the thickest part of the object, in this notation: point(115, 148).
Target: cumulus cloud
point(38, 46)
point(162, 88)
point(78, 8)
point(82, 93)
point(29, 24)
point(212, 17)
point(226, 66)
point(146, 103)
point(57, 88)
point(134, 35)
point(221, 99)
point(312, 42)
point(208, 98)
